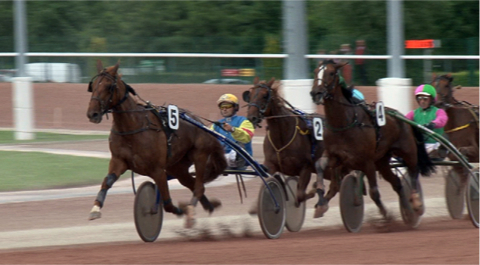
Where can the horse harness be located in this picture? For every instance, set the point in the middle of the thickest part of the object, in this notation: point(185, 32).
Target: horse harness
point(355, 122)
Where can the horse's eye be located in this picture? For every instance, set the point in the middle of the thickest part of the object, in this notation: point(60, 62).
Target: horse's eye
point(332, 74)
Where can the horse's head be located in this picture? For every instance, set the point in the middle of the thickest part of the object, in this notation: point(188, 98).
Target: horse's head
point(444, 87)
point(326, 81)
point(259, 99)
point(105, 92)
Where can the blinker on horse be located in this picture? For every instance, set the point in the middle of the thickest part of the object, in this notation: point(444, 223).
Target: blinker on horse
point(352, 138)
point(141, 143)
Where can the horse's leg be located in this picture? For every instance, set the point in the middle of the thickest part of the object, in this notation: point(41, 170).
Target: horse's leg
point(161, 180)
point(471, 152)
point(322, 205)
point(335, 174)
point(115, 169)
point(410, 158)
point(369, 170)
point(180, 171)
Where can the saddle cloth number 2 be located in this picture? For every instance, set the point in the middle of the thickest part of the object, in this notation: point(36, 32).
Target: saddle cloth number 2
point(318, 129)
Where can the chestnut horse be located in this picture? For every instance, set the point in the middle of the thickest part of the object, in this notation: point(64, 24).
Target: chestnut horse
point(141, 142)
point(462, 126)
point(289, 147)
point(354, 140)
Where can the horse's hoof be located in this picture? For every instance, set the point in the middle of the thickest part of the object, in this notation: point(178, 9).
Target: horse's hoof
point(94, 215)
point(216, 203)
point(320, 210)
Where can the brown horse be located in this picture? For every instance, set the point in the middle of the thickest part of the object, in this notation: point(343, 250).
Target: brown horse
point(354, 140)
point(462, 126)
point(289, 146)
point(141, 142)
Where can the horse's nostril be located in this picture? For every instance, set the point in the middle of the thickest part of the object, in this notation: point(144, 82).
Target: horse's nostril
point(92, 115)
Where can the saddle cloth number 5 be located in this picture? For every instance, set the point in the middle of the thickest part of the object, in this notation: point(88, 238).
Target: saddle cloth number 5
point(173, 119)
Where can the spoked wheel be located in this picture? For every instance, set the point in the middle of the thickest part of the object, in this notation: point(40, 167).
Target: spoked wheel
point(454, 194)
point(410, 217)
point(270, 215)
point(147, 212)
point(351, 202)
point(472, 197)
point(295, 214)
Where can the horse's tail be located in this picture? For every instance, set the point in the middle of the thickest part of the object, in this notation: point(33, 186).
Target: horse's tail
point(216, 164)
point(424, 162)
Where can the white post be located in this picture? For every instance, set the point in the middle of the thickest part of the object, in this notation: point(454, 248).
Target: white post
point(395, 93)
point(23, 108)
point(297, 93)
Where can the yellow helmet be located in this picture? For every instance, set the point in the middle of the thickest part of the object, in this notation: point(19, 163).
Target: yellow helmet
point(230, 98)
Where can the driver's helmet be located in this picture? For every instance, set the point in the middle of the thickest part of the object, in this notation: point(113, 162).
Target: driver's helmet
point(426, 90)
point(230, 98)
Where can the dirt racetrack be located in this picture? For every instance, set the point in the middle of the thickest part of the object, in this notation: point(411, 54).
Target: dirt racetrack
point(438, 239)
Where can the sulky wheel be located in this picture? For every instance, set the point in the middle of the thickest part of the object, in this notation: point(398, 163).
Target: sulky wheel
point(271, 216)
point(295, 214)
point(410, 217)
point(454, 194)
point(351, 202)
point(472, 198)
point(148, 212)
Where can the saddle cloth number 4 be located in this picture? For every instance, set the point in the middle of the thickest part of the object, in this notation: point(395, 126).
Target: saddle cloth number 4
point(380, 114)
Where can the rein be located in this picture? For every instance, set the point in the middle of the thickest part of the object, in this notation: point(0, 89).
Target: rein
point(278, 150)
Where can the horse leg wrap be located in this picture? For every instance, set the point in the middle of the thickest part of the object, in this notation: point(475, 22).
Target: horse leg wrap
point(109, 180)
point(321, 198)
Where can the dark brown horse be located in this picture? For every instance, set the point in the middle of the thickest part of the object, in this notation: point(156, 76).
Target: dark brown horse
point(462, 126)
point(352, 138)
point(289, 146)
point(139, 141)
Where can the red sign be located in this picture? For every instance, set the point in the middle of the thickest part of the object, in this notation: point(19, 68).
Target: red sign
point(230, 72)
point(419, 44)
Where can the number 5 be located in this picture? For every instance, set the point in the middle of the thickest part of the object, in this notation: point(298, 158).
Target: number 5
point(173, 121)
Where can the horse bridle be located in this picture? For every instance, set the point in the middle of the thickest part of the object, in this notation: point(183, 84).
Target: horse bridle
point(103, 106)
point(326, 94)
point(262, 110)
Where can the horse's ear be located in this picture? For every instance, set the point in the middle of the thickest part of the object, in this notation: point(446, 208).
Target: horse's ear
point(434, 76)
point(115, 68)
point(270, 83)
point(256, 80)
point(450, 77)
point(99, 66)
point(340, 65)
